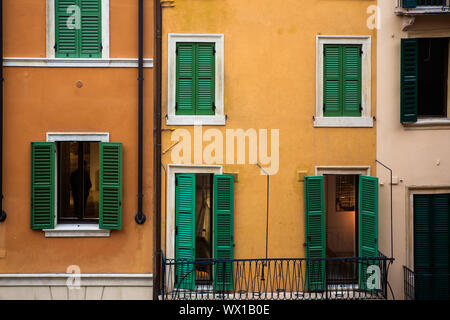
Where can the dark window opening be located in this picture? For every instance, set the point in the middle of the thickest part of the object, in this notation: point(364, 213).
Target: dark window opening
point(78, 182)
point(203, 227)
point(433, 77)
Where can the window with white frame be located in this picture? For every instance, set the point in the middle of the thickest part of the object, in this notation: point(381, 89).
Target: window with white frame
point(195, 79)
point(343, 81)
point(78, 29)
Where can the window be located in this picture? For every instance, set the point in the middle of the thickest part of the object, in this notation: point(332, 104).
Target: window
point(195, 80)
point(424, 79)
point(323, 221)
point(78, 181)
point(431, 246)
point(196, 236)
point(343, 84)
point(75, 203)
point(78, 29)
point(342, 80)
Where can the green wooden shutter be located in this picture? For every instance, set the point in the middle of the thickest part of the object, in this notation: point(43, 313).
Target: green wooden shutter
point(185, 231)
point(351, 80)
point(223, 220)
point(42, 185)
point(332, 80)
point(441, 247)
point(409, 80)
point(90, 40)
point(409, 3)
point(315, 232)
point(367, 225)
point(431, 246)
point(205, 79)
point(185, 79)
point(110, 215)
point(66, 40)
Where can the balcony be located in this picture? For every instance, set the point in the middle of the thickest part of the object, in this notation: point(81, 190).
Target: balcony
point(422, 7)
point(276, 279)
point(425, 286)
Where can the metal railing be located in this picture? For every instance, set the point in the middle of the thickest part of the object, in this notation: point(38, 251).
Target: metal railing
point(275, 279)
point(425, 286)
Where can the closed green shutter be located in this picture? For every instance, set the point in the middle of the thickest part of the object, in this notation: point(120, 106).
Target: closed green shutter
point(185, 231)
point(91, 29)
point(409, 3)
point(223, 231)
point(110, 215)
point(431, 246)
point(195, 79)
point(66, 45)
point(367, 225)
point(42, 185)
point(71, 42)
point(351, 74)
point(409, 80)
point(315, 232)
point(342, 80)
point(185, 84)
point(332, 93)
point(205, 79)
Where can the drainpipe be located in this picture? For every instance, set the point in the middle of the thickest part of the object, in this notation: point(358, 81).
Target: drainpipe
point(2, 213)
point(140, 216)
point(157, 149)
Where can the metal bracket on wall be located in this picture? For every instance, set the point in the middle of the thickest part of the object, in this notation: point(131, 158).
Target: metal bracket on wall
point(408, 22)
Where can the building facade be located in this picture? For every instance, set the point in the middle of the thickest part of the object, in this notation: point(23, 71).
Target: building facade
point(70, 151)
point(413, 141)
point(268, 141)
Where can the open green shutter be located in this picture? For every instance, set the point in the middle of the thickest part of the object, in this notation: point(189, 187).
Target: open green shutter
point(66, 39)
point(185, 79)
point(351, 80)
point(332, 80)
point(90, 40)
point(110, 215)
point(185, 231)
point(205, 79)
point(367, 225)
point(223, 231)
point(42, 185)
point(315, 232)
point(409, 80)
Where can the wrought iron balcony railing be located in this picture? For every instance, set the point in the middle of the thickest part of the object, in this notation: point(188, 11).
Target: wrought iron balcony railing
point(425, 286)
point(413, 7)
point(275, 279)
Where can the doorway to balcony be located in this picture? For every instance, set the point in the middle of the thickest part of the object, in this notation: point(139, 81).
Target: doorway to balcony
point(341, 226)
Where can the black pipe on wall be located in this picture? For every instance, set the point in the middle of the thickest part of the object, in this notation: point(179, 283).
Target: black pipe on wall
point(2, 213)
point(157, 149)
point(140, 216)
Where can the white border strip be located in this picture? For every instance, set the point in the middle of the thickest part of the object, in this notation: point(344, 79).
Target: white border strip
point(87, 279)
point(75, 62)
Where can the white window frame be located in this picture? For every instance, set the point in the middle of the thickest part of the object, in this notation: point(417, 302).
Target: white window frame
point(75, 229)
point(366, 120)
point(219, 117)
point(51, 34)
